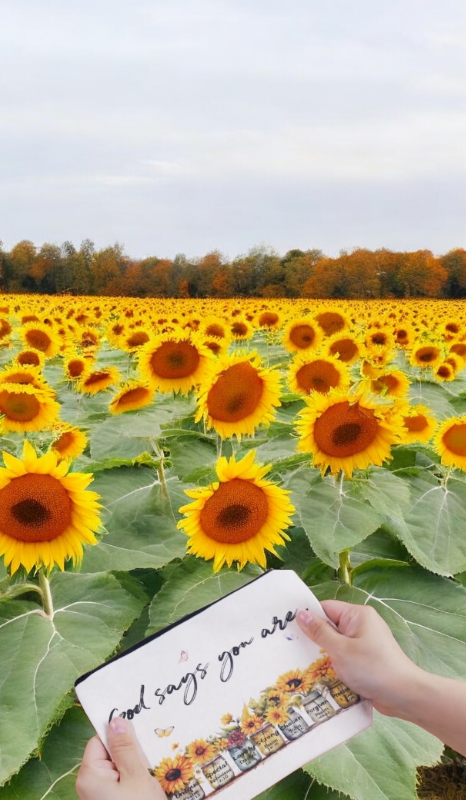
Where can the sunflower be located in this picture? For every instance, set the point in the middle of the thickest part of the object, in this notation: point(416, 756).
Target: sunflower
point(444, 372)
point(200, 751)
point(250, 723)
point(30, 358)
point(294, 681)
point(131, 396)
point(70, 441)
point(450, 442)
point(216, 346)
point(301, 334)
point(25, 408)
point(5, 328)
point(132, 342)
point(425, 355)
point(270, 320)
point(308, 375)
point(277, 716)
point(227, 719)
point(346, 348)
point(174, 773)
point(239, 395)
point(76, 366)
point(29, 376)
point(214, 327)
point(239, 518)
point(391, 384)
point(459, 349)
point(419, 424)
point(45, 515)
point(175, 361)
point(221, 744)
point(41, 337)
point(379, 337)
point(320, 671)
point(278, 699)
point(99, 380)
point(346, 432)
point(331, 321)
point(241, 329)
point(404, 335)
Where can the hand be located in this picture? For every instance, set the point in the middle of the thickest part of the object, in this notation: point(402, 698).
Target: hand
point(364, 653)
point(126, 777)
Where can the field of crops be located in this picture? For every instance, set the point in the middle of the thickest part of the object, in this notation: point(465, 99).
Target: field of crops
point(158, 454)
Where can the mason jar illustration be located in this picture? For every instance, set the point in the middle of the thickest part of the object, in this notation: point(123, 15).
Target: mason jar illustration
point(242, 751)
point(192, 790)
point(342, 695)
point(218, 772)
point(295, 726)
point(318, 707)
point(267, 739)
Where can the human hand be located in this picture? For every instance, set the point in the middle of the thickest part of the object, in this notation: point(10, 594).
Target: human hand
point(364, 653)
point(126, 777)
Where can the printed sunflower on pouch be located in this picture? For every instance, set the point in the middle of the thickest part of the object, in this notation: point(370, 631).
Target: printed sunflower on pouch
point(176, 361)
point(46, 515)
point(174, 773)
point(200, 751)
point(347, 432)
point(239, 395)
point(238, 518)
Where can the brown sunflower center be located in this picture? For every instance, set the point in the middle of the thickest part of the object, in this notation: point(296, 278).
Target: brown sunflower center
point(459, 348)
point(214, 347)
point(239, 329)
point(214, 329)
point(200, 750)
point(294, 683)
point(330, 322)
point(426, 354)
point(173, 775)
point(236, 393)
point(319, 376)
point(38, 339)
point(344, 430)
point(137, 395)
point(137, 339)
point(66, 440)
point(385, 382)
point(97, 377)
point(19, 407)
point(302, 336)
point(454, 439)
point(379, 338)
point(28, 358)
point(235, 513)
point(268, 319)
point(345, 349)
point(444, 371)
point(76, 367)
point(415, 424)
point(34, 508)
point(175, 360)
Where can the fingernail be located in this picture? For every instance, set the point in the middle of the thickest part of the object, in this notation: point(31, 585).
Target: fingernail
point(118, 725)
point(305, 617)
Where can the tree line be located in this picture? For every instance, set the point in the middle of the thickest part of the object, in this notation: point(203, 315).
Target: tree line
point(262, 272)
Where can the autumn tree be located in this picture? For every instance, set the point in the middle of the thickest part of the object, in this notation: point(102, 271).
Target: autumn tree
point(20, 261)
point(455, 264)
point(422, 275)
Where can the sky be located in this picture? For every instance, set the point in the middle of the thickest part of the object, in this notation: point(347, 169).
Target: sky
point(184, 126)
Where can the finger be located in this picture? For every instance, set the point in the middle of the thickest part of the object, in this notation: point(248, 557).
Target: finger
point(95, 753)
point(125, 750)
point(321, 632)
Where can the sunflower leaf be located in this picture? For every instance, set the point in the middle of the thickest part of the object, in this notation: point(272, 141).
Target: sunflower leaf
point(380, 763)
point(54, 774)
point(334, 517)
point(140, 520)
point(192, 585)
point(432, 528)
point(40, 658)
point(426, 613)
point(299, 786)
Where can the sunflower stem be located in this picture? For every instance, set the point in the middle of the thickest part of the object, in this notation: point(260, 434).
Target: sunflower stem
point(344, 569)
point(160, 469)
point(20, 588)
point(47, 602)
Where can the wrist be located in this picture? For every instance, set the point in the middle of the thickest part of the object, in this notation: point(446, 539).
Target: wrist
point(409, 699)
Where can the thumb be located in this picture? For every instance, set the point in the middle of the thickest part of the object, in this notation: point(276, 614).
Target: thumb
point(124, 749)
point(321, 632)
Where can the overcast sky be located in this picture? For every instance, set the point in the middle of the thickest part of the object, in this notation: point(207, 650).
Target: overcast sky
point(191, 125)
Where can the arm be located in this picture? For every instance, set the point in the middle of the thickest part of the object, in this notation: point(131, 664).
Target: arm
point(368, 659)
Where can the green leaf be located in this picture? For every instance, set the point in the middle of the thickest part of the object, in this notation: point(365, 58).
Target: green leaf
point(432, 528)
point(140, 520)
point(380, 763)
point(426, 613)
point(381, 544)
point(334, 518)
point(116, 438)
point(299, 786)
point(433, 396)
point(41, 658)
point(53, 776)
point(388, 494)
point(192, 455)
point(191, 586)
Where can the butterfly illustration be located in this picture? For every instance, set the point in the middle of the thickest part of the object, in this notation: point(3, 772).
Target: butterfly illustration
point(290, 637)
point(161, 732)
point(184, 656)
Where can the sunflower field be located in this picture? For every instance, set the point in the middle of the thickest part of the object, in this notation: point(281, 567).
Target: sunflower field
point(158, 454)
